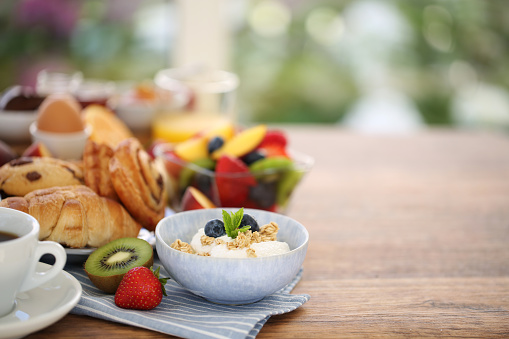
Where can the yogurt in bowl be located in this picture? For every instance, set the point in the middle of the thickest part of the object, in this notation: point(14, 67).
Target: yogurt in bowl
point(230, 280)
point(261, 242)
point(221, 250)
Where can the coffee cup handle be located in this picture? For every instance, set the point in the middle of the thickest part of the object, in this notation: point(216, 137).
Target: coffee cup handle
point(35, 278)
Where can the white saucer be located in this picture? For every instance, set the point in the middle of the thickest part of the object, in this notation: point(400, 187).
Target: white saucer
point(42, 306)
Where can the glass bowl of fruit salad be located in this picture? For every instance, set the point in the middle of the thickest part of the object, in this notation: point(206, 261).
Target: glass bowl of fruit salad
point(228, 268)
point(232, 167)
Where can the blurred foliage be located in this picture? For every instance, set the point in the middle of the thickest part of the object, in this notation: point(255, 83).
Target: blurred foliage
point(298, 60)
point(99, 38)
point(290, 77)
point(314, 82)
point(479, 36)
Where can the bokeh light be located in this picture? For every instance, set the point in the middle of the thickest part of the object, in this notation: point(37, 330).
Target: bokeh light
point(270, 18)
point(325, 25)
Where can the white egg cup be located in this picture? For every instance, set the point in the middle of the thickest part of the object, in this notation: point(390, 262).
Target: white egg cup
point(66, 146)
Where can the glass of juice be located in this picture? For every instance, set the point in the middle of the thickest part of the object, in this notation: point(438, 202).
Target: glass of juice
point(211, 101)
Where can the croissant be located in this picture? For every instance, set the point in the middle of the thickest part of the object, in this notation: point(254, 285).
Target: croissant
point(140, 182)
point(75, 216)
point(96, 159)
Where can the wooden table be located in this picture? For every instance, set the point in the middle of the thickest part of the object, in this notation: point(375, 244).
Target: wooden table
point(409, 237)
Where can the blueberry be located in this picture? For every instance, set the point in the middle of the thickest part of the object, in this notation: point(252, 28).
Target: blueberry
point(249, 220)
point(214, 144)
point(264, 194)
point(252, 157)
point(215, 228)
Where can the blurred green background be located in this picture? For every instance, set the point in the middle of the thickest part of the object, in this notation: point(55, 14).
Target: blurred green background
point(357, 63)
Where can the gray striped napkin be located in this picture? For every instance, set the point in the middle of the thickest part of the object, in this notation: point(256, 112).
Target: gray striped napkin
point(186, 315)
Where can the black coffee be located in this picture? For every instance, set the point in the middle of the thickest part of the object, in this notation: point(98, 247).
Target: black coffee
point(6, 236)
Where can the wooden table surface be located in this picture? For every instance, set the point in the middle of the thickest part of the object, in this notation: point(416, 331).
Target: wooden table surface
point(409, 237)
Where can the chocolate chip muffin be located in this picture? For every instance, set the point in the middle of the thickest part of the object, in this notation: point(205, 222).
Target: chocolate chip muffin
point(26, 174)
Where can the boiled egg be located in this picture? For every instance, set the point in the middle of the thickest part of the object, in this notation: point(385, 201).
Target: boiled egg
point(60, 113)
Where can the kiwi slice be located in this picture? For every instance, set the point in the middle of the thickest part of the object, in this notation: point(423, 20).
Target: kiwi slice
point(286, 186)
point(187, 173)
point(270, 169)
point(107, 265)
point(272, 163)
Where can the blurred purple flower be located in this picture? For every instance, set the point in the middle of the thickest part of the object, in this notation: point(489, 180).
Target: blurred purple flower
point(59, 17)
point(122, 10)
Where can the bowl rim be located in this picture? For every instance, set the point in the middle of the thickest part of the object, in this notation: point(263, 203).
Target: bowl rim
point(14, 113)
point(301, 162)
point(160, 240)
point(34, 131)
point(217, 81)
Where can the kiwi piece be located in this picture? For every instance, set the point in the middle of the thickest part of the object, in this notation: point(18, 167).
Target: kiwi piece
point(272, 163)
point(187, 173)
point(270, 169)
point(286, 186)
point(107, 265)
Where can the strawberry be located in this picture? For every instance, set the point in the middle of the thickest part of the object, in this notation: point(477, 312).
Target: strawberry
point(274, 144)
point(233, 180)
point(140, 289)
point(270, 151)
point(274, 137)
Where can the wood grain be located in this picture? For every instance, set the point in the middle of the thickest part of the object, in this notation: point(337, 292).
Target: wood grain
point(409, 237)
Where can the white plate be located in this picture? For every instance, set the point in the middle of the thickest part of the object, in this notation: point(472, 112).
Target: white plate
point(41, 306)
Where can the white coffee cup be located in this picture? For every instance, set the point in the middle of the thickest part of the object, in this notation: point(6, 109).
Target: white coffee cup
point(19, 257)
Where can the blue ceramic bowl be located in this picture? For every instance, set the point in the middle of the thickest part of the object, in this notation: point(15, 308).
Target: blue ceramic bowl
point(230, 280)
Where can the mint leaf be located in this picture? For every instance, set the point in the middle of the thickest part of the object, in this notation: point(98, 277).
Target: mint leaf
point(232, 222)
point(244, 228)
point(228, 224)
point(237, 217)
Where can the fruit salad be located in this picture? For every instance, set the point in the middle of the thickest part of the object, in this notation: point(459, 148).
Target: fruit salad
point(226, 166)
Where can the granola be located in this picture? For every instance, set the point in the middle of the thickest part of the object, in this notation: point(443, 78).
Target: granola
point(243, 241)
point(269, 232)
point(206, 240)
point(182, 246)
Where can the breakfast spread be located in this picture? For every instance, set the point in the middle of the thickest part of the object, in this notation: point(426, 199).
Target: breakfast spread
point(110, 192)
point(238, 235)
point(92, 185)
point(117, 187)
